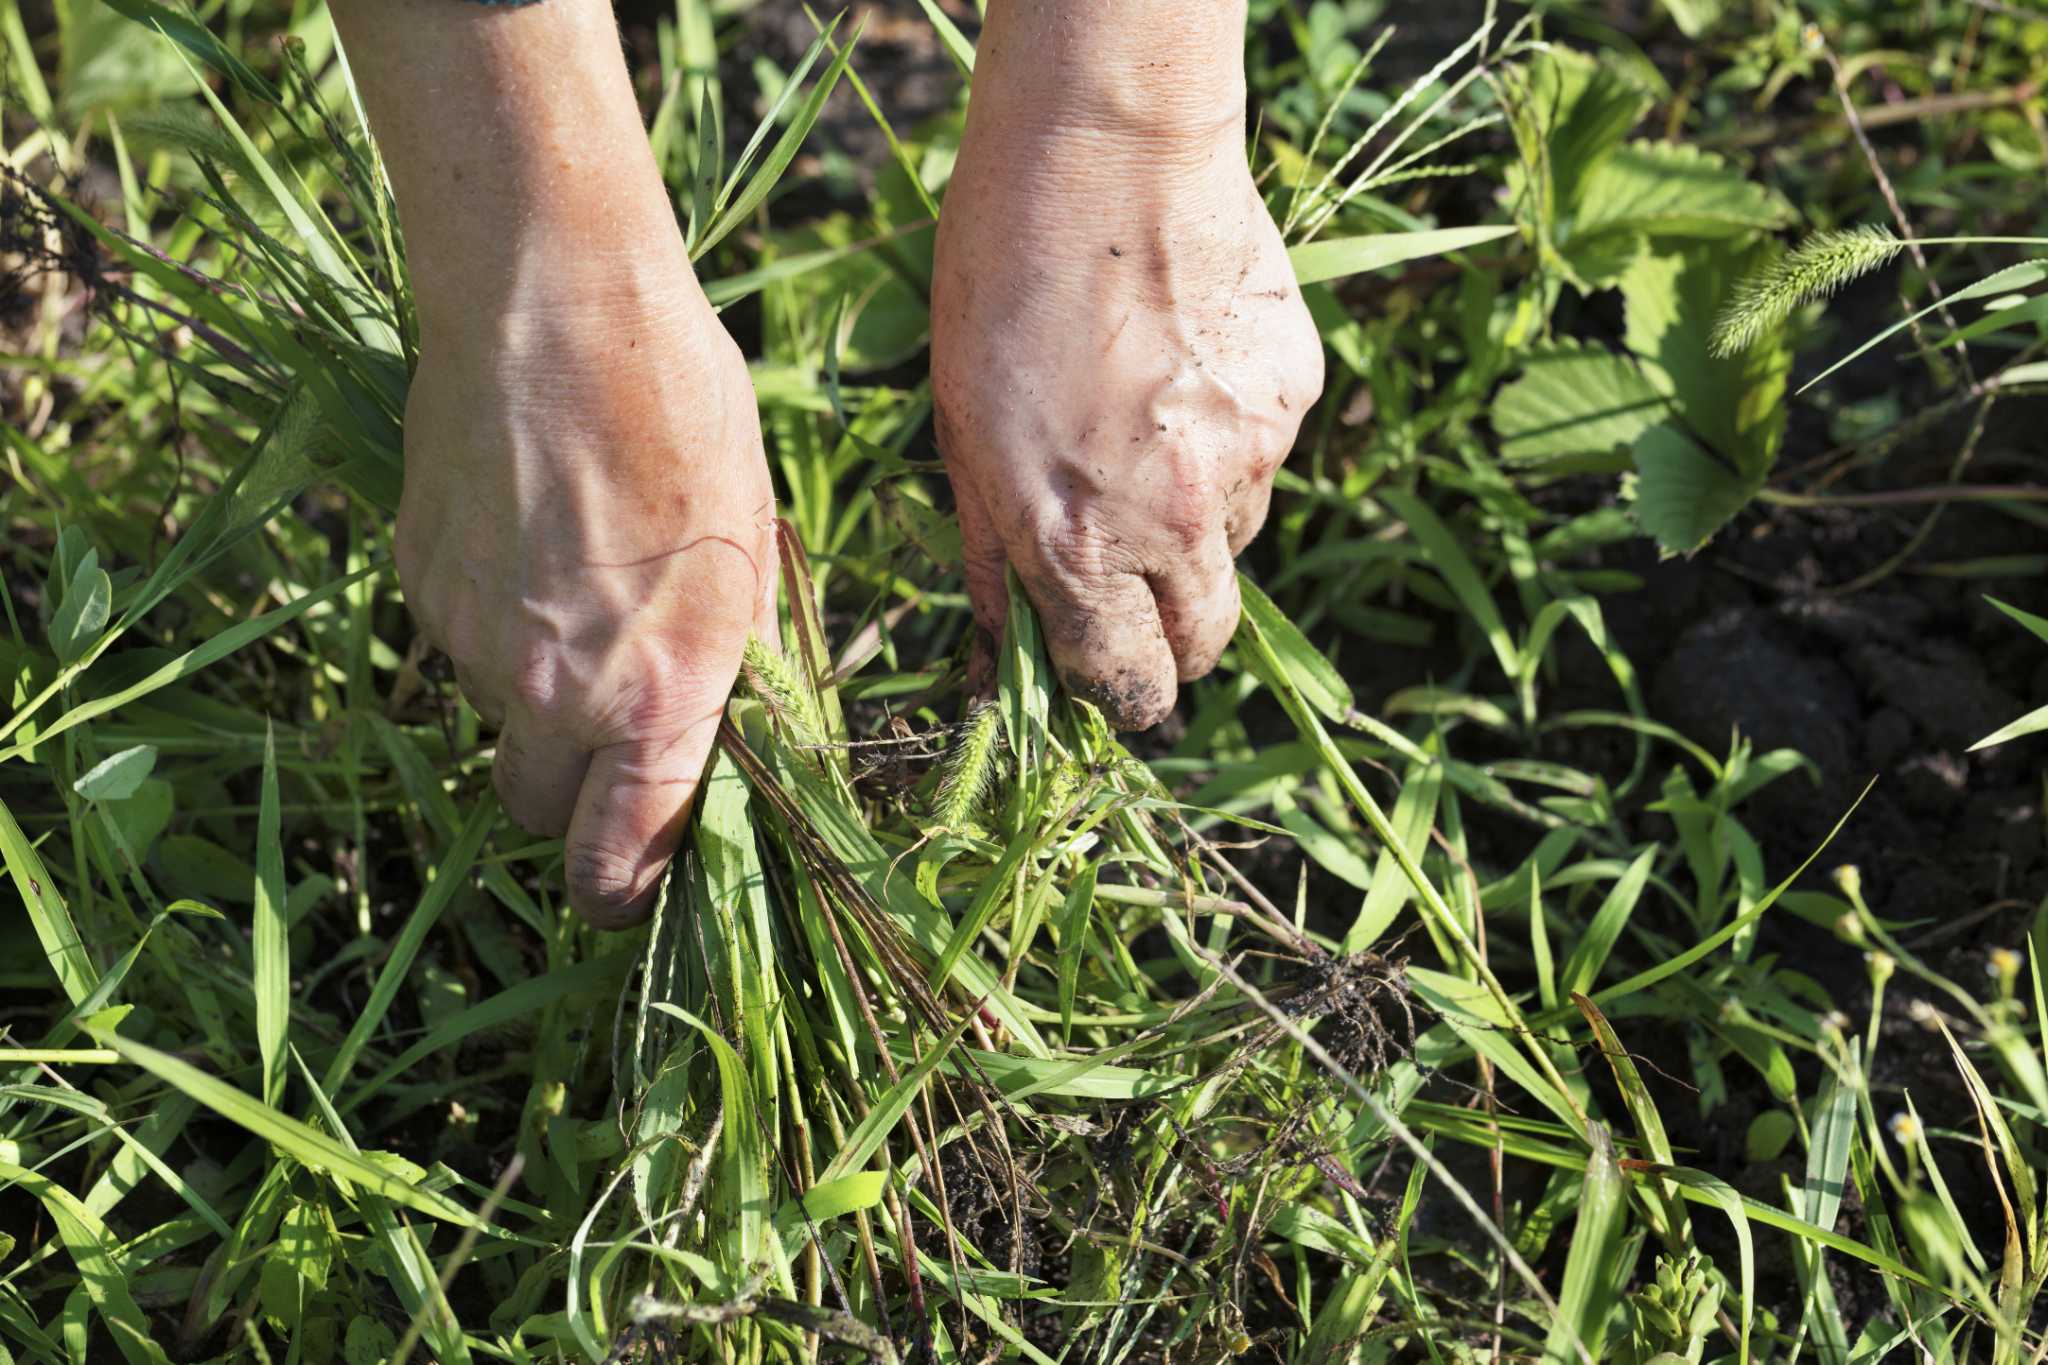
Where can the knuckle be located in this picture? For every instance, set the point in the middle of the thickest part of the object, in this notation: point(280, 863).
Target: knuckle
point(664, 697)
point(536, 679)
point(1074, 548)
point(1186, 518)
point(603, 882)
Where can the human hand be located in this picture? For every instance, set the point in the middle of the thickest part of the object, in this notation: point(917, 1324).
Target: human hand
point(588, 531)
point(1120, 362)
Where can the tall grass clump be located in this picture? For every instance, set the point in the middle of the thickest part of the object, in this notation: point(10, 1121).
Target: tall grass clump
point(1322, 1028)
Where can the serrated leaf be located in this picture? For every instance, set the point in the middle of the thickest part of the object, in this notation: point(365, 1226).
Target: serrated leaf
point(1669, 189)
point(119, 777)
point(1573, 401)
point(1683, 494)
point(1571, 111)
point(1599, 260)
point(1734, 404)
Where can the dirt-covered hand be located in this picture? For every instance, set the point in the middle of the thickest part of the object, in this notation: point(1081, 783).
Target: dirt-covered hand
point(1121, 360)
point(587, 530)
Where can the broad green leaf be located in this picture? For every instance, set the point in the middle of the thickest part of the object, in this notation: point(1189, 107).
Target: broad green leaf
point(1695, 17)
point(1768, 1135)
point(82, 615)
point(1684, 494)
point(824, 1201)
point(1569, 113)
point(1317, 262)
point(119, 777)
point(1734, 404)
point(1670, 189)
point(1576, 403)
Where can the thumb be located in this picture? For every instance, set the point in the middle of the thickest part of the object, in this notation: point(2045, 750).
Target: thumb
point(629, 817)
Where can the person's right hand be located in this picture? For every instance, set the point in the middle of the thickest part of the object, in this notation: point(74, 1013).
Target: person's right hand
point(588, 531)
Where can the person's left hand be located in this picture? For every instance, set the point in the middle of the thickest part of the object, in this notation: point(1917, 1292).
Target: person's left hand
point(1120, 362)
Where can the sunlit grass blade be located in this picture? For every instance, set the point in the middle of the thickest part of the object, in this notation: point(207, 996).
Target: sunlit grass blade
point(269, 942)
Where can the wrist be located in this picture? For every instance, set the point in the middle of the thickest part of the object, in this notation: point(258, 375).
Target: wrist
point(563, 305)
point(1163, 76)
point(535, 262)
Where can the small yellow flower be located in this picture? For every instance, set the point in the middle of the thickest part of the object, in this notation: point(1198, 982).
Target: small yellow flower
point(1905, 1129)
point(2002, 963)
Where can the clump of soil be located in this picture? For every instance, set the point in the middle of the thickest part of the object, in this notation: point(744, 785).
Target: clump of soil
point(1364, 997)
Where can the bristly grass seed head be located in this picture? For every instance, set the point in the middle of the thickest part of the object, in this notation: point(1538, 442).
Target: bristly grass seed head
point(970, 769)
point(1813, 270)
point(774, 679)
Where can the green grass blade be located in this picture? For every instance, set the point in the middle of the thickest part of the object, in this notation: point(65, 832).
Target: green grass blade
point(957, 46)
point(1449, 559)
point(2008, 280)
point(1075, 916)
point(305, 1145)
point(450, 876)
point(47, 912)
point(271, 946)
point(868, 1135)
point(216, 648)
point(785, 150)
point(1593, 1273)
point(1317, 262)
point(507, 1007)
point(1582, 968)
point(105, 1279)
